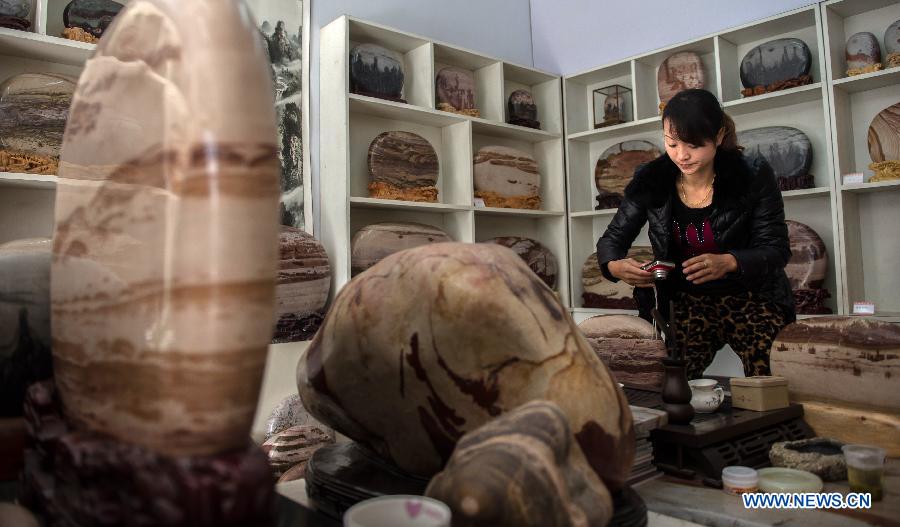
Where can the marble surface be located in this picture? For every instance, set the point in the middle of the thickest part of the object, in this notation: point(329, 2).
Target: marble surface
point(884, 135)
point(538, 257)
point(775, 61)
point(507, 177)
point(376, 71)
point(615, 167)
point(34, 108)
point(862, 51)
point(522, 110)
point(680, 71)
point(848, 359)
point(787, 149)
point(374, 242)
point(24, 319)
point(433, 342)
point(528, 451)
point(603, 293)
point(808, 265)
point(166, 242)
point(455, 87)
point(304, 279)
point(402, 165)
point(93, 16)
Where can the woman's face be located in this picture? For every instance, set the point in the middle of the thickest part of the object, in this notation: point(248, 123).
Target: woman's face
point(690, 158)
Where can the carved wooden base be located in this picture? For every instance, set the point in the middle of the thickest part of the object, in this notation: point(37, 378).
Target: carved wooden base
point(471, 112)
point(384, 191)
point(21, 162)
point(885, 171)
point(777, 86)
point(796, 182)
point(83, 478)
point(492, 199)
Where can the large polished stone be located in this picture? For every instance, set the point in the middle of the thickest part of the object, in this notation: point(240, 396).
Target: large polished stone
point(539, 258)
point(892, 38)
point(166, 244)
point(404, 166)
point(93, 16)
point(528, 452)
point(374, 242)
point(522, 110)
point(884, 135)
point(433, 342)
point(24, 319)
point(775, 61)
point(455, 91)
point(681, 71)
point(808, 265)
point(507, 178)
point(629, 348)
point(34, 108)
point(787, 150)
point(615, 168)
point(304, 279)
point(377, 72)
point(863, 53)
point(843, 359)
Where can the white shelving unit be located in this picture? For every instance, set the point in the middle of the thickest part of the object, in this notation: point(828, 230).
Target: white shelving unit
point(805, 107)
point(869, 213)
point(354, 121)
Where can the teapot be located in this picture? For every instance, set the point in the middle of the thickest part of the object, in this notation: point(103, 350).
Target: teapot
point(706, 395)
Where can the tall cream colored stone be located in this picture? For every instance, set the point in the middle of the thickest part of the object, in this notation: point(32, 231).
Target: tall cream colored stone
point(432, 342)
point(166, 243)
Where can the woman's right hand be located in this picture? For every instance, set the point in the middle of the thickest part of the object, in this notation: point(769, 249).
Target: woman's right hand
point(629, 271)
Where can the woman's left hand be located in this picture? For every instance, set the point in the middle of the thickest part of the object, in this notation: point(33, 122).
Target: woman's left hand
point(708, 267)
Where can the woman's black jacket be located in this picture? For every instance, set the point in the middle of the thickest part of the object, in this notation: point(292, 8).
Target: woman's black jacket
point(747, 220)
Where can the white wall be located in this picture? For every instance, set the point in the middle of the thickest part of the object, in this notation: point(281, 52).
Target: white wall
point(499, 28)
point(571, 36)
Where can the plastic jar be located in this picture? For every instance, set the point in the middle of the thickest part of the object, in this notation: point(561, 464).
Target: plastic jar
point(738, 480)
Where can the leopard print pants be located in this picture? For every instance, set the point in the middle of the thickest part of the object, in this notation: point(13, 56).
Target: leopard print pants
point(746, 322)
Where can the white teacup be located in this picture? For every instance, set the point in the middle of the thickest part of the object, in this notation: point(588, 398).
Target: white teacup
point(706, 395)
point(398, 511)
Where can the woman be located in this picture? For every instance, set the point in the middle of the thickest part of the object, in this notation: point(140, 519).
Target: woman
point(720, 218)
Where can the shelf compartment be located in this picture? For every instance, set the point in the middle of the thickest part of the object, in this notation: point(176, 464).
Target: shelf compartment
point(396, 204)
point(869, 81)
point(646, 68)
point(842, 19)
point(30, 181)
point(458, 224)
point(579, 91)
point(733, 45)
point(817, 215)
point(852, 114)
point(778, 99)
point(545, 89)
point(450, 142)
point(488, 75)
point(817, 192)
point(496, 211)
point(550, 231)
point(619, 130)
point(878, 186)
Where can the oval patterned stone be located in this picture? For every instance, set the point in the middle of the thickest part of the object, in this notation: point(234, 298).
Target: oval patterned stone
point(508, 178)
point(522, 110)
point(166, 239)
point(455, 87)
point(808, 265)
point(402, 165)
point(681, 71)
point(34, 108)
point(892, 38)
point(884, 135)
point(862, 50)
point(93, 16)
point(628, 346)
point(602, 293)
point(376, 71)
point(374, 242)
point(304, 279)
point(433, 342)
point(775, 61)
point(538, 257)
point(615, 168)
point(787, 150)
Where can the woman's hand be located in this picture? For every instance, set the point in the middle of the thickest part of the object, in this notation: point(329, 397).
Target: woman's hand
point(629, 271)
point(708, 267)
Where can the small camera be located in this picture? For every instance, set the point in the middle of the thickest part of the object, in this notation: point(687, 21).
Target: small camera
point(659, 268)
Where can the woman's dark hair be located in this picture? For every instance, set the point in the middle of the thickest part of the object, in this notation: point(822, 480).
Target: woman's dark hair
point(696, 117)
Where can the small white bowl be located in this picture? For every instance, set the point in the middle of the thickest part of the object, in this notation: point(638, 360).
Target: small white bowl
point(398, 511)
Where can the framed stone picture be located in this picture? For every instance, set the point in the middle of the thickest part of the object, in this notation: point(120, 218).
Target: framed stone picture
point(283, 26)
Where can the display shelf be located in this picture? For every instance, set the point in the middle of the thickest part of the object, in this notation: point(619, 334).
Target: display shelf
point(546, 230)
point(878, 186)
point(619, 130)
point(580, 314)
point(34, 46)
point(494, 211)
point(804, 193)
point(355, 120)
point(778, 99)
point(869, 81)
point(842, 19)
point(30, 181)
point(578, 93)
point(393, 204)
point(25, 212)
point(592, 213)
